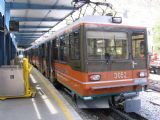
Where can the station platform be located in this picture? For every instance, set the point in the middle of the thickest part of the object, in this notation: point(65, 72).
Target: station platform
point(48, 104)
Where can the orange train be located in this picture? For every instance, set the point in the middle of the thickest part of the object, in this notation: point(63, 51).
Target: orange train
point(98, 59)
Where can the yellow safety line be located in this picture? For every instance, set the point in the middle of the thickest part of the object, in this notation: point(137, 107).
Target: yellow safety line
point(57, 99)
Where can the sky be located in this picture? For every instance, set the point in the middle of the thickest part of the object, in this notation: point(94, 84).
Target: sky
point(145, 11)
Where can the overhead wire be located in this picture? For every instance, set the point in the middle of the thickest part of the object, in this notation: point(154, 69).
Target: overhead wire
point(78, 5)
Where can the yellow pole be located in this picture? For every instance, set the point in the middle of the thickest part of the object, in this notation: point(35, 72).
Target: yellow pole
point(26, 70)
point(25, 74)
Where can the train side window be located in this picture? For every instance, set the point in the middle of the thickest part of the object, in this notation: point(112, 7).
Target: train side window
point(48, 50)
point(33, 52)
point(138, 46)
point(66, 47)
point(74, 43)
point(36, 51)
point(45, 50)
point(52, 49)
point(42, 51)
point(63, 48)
point(56, 46)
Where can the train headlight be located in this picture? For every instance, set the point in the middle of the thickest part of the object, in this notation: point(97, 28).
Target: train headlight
point(95, 77)
point(142, 74)
point(116, 19)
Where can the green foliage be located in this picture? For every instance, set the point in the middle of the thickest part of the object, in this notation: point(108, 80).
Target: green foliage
point(156, 39)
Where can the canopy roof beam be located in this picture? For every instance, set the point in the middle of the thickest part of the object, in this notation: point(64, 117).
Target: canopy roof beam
point(21, 37)
point(16, 5)
point(22, 19)
point(31, 26)
point(33, 32)
point(28, 35)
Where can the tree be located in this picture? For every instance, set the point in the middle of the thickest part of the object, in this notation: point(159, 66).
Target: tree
point(156, 38)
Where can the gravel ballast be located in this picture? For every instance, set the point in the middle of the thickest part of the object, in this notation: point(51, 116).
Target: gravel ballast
point(149, 109)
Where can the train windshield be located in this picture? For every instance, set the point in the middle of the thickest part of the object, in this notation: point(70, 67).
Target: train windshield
point(101, 44)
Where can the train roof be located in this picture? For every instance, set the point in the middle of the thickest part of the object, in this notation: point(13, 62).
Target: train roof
point(106, 20)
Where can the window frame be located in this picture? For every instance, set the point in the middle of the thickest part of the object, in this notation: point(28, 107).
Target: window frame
point(71, 44)
point(133, 57)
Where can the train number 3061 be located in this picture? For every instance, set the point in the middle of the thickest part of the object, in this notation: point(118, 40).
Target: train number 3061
point(120, 75)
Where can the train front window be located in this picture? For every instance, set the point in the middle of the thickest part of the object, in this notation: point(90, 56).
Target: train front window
point(138, 45)
point(112, 44)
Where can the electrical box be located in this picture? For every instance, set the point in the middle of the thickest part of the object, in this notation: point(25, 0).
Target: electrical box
point(132, 105)
point(11, 81)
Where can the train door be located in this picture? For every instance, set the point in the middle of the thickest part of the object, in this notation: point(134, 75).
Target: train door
point(54, 57)
point(139, 52)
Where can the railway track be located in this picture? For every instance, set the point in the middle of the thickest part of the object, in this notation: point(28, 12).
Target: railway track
point(101, 114)
point(127, 116)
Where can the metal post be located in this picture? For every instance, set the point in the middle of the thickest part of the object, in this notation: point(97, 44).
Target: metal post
point(2, 9)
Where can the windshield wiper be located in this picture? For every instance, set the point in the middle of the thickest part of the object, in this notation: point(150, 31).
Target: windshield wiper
point(107, 57)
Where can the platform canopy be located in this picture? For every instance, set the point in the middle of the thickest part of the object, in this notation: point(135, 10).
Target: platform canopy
point(36, 17)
